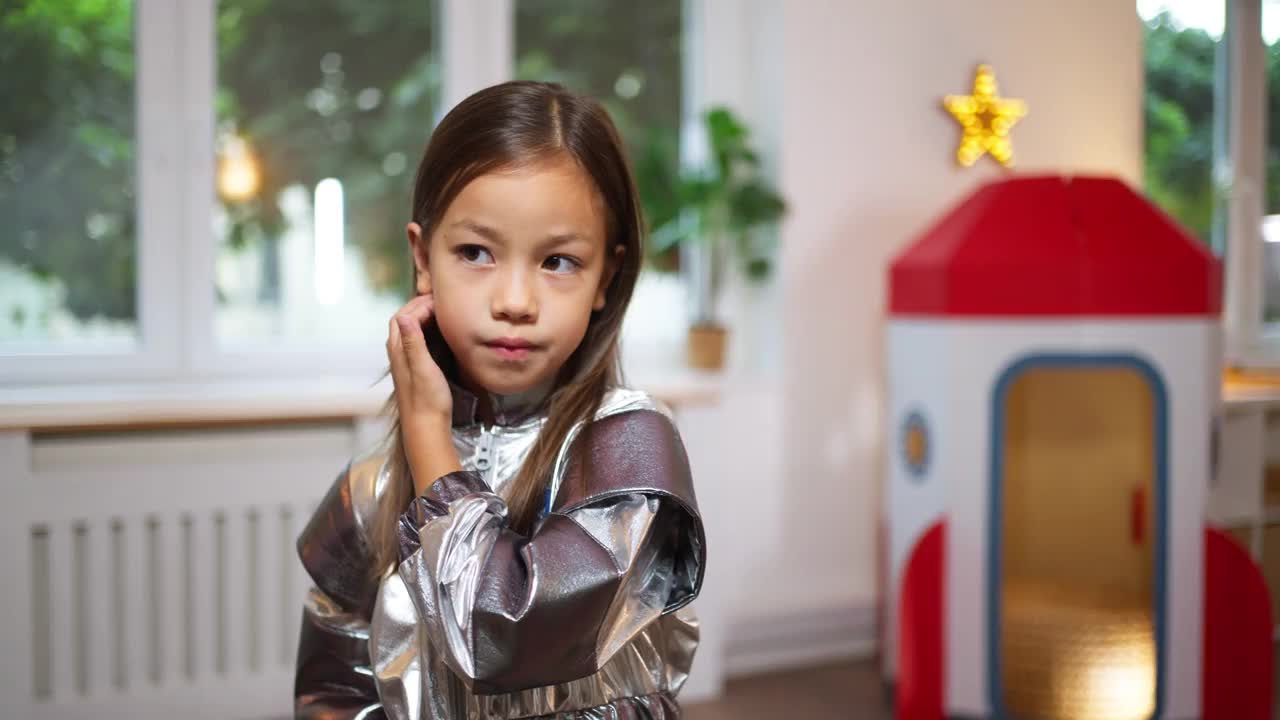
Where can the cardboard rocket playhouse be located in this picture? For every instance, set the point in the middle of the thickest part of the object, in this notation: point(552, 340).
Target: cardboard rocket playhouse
point(1054, 361)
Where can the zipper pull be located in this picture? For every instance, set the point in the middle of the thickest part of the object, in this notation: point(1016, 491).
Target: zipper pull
point(484, 450)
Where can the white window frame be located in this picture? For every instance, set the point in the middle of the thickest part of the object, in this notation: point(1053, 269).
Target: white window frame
point(1249, 341)
point(160, 160)
point(474, 50)
point(175, 43)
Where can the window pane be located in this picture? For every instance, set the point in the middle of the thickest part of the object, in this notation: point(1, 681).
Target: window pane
point(67, 182)
point(1181, 47)
point(627, 55)
point(323, 109)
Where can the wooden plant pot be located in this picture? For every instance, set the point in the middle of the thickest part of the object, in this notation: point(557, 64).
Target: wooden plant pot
point(706, 344)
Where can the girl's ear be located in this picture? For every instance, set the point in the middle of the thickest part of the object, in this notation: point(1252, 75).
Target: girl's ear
point(611, 265)
point(418, 250)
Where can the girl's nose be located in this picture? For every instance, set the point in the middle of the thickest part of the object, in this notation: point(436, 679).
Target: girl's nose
point(513, 300)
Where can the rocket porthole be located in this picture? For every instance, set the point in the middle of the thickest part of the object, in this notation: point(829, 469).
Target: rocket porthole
point(915, 444)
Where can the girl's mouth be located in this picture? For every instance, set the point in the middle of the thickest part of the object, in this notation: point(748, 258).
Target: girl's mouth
point(511, 348)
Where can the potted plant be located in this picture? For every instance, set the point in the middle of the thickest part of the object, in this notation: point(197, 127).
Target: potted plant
point(714, 215)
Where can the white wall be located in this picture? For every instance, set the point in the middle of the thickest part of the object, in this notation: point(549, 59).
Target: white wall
point(865, 157)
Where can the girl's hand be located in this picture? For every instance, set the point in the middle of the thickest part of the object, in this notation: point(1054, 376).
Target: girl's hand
point(422, 392)
point(422, 396)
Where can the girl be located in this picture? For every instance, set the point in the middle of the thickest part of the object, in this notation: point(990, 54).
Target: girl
point(525, 541)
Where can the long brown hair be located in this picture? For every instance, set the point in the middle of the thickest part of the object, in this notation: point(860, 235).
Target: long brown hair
point(503, 126)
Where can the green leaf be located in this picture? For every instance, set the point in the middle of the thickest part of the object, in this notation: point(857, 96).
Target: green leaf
point(755, 203)
point(758, 268)
point(677, 230)
point(733, 196)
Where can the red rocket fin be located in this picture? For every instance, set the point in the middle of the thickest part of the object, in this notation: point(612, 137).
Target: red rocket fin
point(921, 629)
point(1237, 634)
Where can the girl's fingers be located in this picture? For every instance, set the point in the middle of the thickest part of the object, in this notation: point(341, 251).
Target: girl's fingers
point(414, 342)
point(412, 317)
point(395, 353)
point(419, 309)
point(406, 343)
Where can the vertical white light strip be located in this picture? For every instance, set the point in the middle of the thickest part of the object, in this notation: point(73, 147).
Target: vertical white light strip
point(328, 231)
point(1271, 228)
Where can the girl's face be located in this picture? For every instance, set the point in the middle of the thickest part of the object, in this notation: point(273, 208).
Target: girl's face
point(516, 265)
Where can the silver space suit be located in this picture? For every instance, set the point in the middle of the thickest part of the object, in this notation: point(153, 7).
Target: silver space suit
point(585, 618)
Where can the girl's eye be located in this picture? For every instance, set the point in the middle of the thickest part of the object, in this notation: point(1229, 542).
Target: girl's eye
point(561, 264)
point(474, 254)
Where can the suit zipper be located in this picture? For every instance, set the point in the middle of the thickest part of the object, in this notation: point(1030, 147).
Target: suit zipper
point(484, 452)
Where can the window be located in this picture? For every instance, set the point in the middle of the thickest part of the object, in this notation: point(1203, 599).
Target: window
point(625, 54)
point(628, 56)
point(1253, 338)
point(1215, 166)
point(1180, 49)
point(67, 183)
point(323, 109)
point(218, 188)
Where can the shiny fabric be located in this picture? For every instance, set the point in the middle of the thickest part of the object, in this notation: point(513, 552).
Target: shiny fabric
point(584, 618)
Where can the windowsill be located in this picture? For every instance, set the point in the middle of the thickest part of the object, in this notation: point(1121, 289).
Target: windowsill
point(1240, 396)
point(124, 406)
point(1260, 355)
point(136, 406)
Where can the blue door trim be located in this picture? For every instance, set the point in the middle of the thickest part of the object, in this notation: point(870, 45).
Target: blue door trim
point(996, 517)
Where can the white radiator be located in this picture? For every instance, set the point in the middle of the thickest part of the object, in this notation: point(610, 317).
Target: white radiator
point(153, 575)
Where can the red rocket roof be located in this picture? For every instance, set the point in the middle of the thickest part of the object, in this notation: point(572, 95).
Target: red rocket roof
point(1055, 246)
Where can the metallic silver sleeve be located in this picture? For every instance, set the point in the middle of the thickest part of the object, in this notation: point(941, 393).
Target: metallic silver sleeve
point(639, 451)
point(587, 617)
point(510, 612)
point(507, 612)
point(334, 680)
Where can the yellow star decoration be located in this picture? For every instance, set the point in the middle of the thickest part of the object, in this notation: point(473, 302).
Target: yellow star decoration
point(986, 118)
